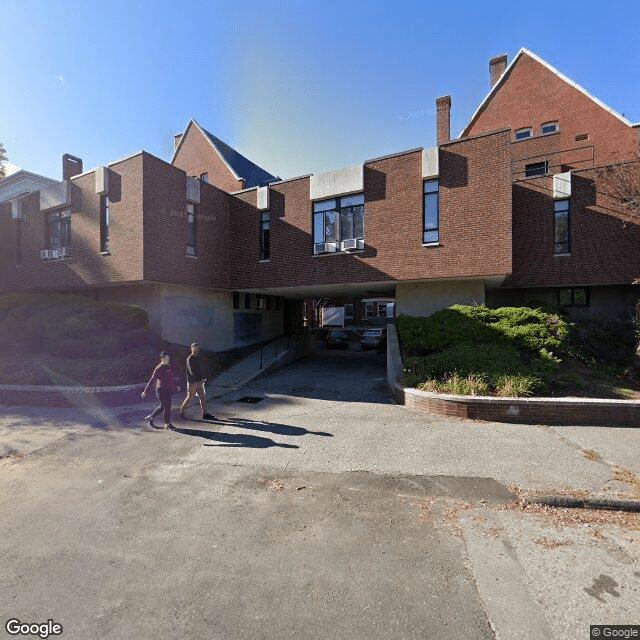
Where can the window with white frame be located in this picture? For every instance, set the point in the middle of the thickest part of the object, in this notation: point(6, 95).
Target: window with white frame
point(60, 229)
point(104, 223)
point(191, 229)
point(265, 226)
point(522, 134)
point(536, 169)
point(431, 223)
point(562, 236)
point(368, 309)
point(338, 219)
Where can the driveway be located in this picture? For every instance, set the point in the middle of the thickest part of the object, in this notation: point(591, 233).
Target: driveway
point(319, 509)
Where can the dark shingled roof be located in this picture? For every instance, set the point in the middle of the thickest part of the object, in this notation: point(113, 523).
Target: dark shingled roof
point(254, 176)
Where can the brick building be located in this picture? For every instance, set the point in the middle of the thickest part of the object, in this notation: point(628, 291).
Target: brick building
point(521, 207)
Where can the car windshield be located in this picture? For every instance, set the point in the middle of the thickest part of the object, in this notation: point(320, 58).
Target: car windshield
point(337, 334)
point(372, 334)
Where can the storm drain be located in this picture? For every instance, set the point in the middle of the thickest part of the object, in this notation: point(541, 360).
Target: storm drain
point(250, 399)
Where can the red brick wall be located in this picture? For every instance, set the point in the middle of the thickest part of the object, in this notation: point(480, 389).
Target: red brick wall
point(604, 246)
point(197, 156)
point(165, 223)
point(475, 218)
point(533, 95)
point(85, 266)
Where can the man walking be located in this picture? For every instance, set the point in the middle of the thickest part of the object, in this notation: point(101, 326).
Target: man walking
point(195, 383)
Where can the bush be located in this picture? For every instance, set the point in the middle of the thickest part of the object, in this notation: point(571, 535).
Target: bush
point(522, 327)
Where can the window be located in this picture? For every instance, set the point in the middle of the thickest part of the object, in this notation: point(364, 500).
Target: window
point(573, 297)
point(521, 134)
point(348, 312)
point(265, 225)
point(382, 310)
point(261, 301)
point(104, 224)
point(338, 219)
point(368, 309)
point(191, 229)
point(204, 177)
point(561, 226)
point(60, 229)
point(549, 127)
point(236, 300)
point(536, 169)
point(431, 230)
point(247, 301)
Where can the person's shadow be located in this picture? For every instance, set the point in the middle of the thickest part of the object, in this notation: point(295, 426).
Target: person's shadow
point(272, 427)
point(234, 439)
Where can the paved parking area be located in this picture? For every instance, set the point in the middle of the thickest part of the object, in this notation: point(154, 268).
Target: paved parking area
point(321, 510)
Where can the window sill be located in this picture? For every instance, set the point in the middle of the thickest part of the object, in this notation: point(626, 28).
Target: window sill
point(264, 261)
point(105, 253)
point(192, 257)
point(561, 255)
point(338, 253)
point(431, 244)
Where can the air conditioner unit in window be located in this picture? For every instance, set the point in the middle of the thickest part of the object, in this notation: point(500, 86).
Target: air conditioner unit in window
point(54, 254)
point(352, 244)
point(64, 252)
point(45, 254)
point(325, 247)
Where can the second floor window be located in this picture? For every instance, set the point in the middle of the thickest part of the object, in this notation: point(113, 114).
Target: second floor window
point(191, 229)
point(562, 239)
point(431, 230)
point(338, 219)
point(536, 169)
point(104, 223)
point(60, 230)
point(265, 225)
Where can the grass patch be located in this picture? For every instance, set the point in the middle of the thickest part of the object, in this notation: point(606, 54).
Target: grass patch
point(628, 477)
point(591, 455)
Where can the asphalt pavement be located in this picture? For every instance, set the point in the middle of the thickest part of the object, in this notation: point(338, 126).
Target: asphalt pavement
point(312, 507)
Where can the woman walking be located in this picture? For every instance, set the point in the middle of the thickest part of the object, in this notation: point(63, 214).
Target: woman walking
point(165, 385)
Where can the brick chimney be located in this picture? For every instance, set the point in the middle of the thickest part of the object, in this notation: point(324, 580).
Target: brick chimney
point(71, 166)
point(443, 112)
point(497, 67)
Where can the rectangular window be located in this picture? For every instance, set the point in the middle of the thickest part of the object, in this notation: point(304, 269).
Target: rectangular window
point(204, 177)
point(573, 297)
point(536, 169)
point(261, 301)
point(348, 312)
point(236, 300)
point(247, 301)
point(60, 230)
point(549, 127)
point(104, 224)
point(562, 236)
point(431, 230)
point(265, 225)
point(338, 219)
point(382, 310)
point(191, 229)
point(368, 309)
point(522, 134)
point(19, 242)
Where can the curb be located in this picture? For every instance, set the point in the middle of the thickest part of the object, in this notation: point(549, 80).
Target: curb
point(569, 502)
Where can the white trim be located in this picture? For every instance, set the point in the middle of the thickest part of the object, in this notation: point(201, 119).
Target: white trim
point(560, 75)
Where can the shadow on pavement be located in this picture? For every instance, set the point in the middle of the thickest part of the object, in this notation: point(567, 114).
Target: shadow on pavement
point(235, 439)
point(278, 429)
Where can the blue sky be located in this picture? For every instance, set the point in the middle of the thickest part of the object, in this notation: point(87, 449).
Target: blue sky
point(297, 86)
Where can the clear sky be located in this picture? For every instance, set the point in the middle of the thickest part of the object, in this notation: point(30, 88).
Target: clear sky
point(296, 86)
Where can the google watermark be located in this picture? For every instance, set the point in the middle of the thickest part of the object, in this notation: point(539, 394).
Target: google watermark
point(43, 630)
point(598, 631)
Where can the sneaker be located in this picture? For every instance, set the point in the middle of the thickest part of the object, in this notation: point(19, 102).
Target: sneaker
point(169, 426)
point(208, 416)
point(149, 419)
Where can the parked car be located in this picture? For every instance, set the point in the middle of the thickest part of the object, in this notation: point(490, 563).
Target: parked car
point(374, 339)
point(337, 339)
